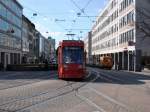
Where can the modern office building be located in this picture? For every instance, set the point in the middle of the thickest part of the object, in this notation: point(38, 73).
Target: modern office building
point(10, 32)
point(88, 48)
point(44, 49)
point(47, 49)
point(52, 47)
point(122, 31)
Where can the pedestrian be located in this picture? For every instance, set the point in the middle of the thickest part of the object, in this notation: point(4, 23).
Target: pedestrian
point(117, 64)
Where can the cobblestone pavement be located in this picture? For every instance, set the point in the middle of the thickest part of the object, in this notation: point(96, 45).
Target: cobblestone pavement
point(100, 91)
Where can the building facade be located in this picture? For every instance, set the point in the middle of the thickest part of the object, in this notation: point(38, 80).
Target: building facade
point(10, 32)
point(44, 49)
point(25, 39)
point(119, 32)
point(88, 48)
point(52, 49)
point(47, 49)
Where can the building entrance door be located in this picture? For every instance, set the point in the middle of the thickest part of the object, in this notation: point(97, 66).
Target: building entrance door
point(3, 58)
point(6, 59)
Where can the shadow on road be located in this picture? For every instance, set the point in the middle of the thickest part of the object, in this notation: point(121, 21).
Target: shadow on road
point(121, 77)
point(104, 76)
point(25, 75)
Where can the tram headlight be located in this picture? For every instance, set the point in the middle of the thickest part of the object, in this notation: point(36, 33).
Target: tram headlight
point(80, 66)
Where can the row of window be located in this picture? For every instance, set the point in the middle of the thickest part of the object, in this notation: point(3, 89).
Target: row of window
point(126, 37)
point(107, 22)
point(126, 20)
point(107, 33)
point(129, 18)
point(13, 6)
point(4, 12)
point(105, 13)
point(25, 44)
point(123, 38)
point(107, 44)
point(10, 42)
point(24, 32)
point(25, 41)
point(5, 26)
point(113, 4)
point(124, 4)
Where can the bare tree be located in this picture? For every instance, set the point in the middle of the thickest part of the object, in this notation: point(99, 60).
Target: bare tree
point(143, 23)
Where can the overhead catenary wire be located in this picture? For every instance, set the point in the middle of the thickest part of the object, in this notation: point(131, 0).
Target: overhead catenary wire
point(87, 4)
point(82, 10)
point(42, 15)
point(45, 15)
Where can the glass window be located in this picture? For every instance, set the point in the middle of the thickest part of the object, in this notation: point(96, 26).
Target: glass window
point(3, 25)
point(9, 16)
point(73, 55)
point(17, 32)
point(2, 11)
point(15, 8)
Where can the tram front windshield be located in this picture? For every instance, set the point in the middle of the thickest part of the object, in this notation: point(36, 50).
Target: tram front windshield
point(73, 55)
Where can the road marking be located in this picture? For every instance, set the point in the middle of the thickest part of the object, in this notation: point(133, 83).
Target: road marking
point(95, 78)
point(91, 103)
point(102, 73)
point(96, 111)
point(98, 73)
point(111, 76)
point(89, 74)
point(105, 96)
point(28, 83)
point(109, 98)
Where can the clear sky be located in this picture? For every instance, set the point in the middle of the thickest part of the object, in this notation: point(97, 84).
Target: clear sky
point(56, 18)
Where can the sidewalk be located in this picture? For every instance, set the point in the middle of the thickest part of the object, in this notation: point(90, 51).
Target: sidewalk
point(145, 71)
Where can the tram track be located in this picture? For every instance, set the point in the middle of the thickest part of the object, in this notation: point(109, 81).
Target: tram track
point(19, 75)
point(23, 103)
point(108, 77)
point(146, 85)
point(70, 86)
point(26, 82)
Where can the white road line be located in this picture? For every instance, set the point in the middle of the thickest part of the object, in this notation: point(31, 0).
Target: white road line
point(109, 98)
point(101, 72)
point(95, 78)
point(91, 103)
point(87, 76)
point(100, 76)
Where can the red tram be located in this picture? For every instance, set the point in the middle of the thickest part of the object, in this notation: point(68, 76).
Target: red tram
point(71, 61)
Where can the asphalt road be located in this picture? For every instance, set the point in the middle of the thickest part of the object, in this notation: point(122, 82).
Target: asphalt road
point(100, 91)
